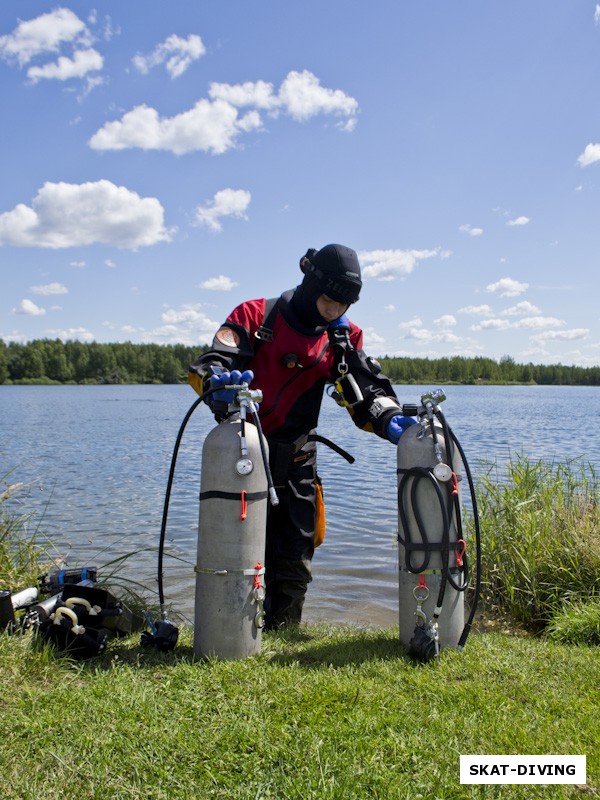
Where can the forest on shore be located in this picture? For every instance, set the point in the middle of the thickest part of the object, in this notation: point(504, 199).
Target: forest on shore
point(54, 361)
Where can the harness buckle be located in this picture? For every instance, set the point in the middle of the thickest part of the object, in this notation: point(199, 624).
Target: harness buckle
point(264, 334)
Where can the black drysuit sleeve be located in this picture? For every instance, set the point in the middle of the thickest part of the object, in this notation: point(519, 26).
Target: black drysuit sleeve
point(368, 396)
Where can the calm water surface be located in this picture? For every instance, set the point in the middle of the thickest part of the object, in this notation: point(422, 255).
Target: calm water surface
point(96, 460)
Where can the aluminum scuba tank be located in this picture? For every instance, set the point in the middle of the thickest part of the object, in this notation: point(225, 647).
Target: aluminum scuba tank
point(429, 540)
point(7, 611)
point(231, 543)
point(24, 597)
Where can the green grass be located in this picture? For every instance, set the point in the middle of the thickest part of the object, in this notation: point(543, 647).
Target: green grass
point(540, 538)
point(577, 622)
point(322, 713)
point(330, 712)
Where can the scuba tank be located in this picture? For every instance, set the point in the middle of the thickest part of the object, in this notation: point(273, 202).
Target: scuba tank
point(235, 484)
point(7, 611)
point(234, 489)
point(433, 564)
point(9, 603)
point(231, 545)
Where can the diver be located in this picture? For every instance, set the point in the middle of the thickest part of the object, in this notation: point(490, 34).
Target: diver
point(292, 346)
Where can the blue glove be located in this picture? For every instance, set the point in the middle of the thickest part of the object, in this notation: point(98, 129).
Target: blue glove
point(227, 379)
point(397, 426)
point(340, 322)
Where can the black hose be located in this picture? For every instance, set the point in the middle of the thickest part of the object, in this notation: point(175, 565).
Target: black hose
point(455, 502)
point(417, 474)
point(477, 591)
point(163, 526)
point(263, 452)
point(450, 436)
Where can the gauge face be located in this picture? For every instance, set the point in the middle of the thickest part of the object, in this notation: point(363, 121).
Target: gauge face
point(244, 466)
point(442, 472)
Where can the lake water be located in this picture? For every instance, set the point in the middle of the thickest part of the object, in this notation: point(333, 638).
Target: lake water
point(96, 460)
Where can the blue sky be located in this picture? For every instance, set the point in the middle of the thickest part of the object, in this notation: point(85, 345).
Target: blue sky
point(162, 162)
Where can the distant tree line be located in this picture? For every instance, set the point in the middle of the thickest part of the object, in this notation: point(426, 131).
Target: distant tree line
point(460, 369)
point(52, 360)
point(55, 361)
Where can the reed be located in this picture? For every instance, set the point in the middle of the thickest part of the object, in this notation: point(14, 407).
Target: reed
point(21, 555)
point(540, 529)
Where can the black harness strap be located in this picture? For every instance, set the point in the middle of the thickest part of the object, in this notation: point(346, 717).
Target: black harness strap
point(215, 493)
point(265, 332)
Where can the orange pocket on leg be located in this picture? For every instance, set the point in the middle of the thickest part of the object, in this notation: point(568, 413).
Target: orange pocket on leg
point(320, 513)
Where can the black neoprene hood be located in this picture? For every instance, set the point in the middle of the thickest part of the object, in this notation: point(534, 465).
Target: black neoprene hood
point(337, 272)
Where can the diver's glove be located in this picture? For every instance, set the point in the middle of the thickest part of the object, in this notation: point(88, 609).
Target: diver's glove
point(226, 396)
point(340, 322)
point(396, 427)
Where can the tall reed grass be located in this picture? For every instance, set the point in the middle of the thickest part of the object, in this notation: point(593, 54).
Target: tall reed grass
point(21, 555)
point(540, 527)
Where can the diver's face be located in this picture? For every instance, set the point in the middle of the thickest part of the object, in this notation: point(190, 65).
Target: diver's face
point(330, 309)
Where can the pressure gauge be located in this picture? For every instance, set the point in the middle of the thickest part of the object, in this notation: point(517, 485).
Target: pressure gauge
point(442, 472)
point(244, 466)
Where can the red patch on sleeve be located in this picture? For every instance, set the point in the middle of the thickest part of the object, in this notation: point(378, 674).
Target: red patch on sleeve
point(227, 337)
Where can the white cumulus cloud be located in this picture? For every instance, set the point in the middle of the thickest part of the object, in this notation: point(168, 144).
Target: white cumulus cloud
point(70, 215)
point(445, 321)
point(423, 335)
point(42, 35)
point(479, 311)
point(539, 322)
point(188, 324)
point(386, 265)
point(258, 94)
point(58, 33)
point(522, 308)
point(64, 68)
point(29, 308)
point(220, 283)
point(225, 203)
point(303, 97)
point(415, 322)
point(526, 323)
point(492, 325)
point(518, 221)
point(562, 336)
point(214, 125)
point(50, 288)
point(590, 155)
point(507, 287)
point(70, 334)
point(209, 126)
point(470, 230)
point(175, 53)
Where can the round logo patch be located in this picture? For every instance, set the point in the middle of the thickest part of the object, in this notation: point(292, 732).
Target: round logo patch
point(227, 337)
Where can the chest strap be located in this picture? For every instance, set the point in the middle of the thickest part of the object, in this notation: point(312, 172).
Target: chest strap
point(265, 332)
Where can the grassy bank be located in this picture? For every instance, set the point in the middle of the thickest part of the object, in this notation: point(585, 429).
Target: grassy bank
point(323, 713)
point(329, 712)
point(540, 531)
